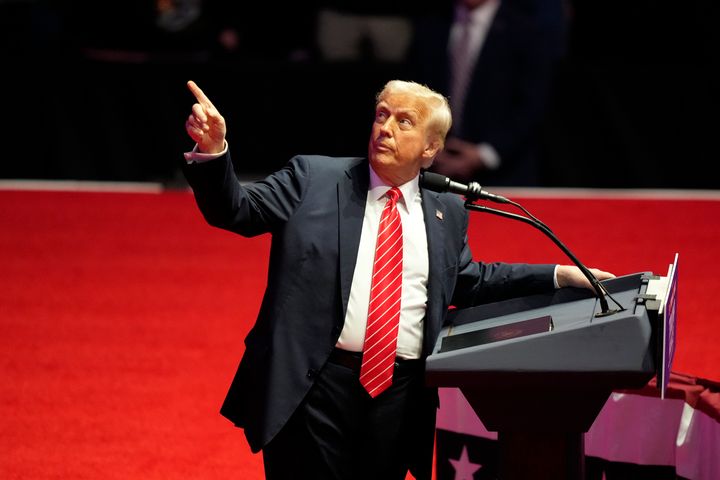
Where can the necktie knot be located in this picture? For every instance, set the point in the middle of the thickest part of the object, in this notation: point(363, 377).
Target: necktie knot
point(393, 195)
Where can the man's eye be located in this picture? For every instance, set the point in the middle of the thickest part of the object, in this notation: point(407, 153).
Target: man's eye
point(406, 122)
point(380, 116)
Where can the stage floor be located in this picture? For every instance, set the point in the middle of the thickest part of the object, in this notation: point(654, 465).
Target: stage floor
point(123, 315)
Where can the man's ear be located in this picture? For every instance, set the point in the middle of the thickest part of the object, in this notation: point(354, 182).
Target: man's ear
point(431, 149)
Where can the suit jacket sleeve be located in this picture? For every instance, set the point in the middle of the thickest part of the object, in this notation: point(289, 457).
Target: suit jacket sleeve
point(479, 282)
point(248, 210)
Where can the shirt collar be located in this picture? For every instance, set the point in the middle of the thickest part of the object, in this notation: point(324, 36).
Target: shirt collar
point(378, 188)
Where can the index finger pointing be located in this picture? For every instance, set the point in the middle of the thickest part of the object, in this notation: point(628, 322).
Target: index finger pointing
point(199, 95)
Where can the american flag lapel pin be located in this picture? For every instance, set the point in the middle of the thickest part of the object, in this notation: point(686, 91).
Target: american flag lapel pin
point(439, 214)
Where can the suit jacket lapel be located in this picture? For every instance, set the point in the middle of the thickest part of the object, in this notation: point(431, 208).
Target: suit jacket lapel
point(352, 197)
point(434, 212)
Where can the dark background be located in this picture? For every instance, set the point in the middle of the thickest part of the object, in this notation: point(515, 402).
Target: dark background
point(96, 91)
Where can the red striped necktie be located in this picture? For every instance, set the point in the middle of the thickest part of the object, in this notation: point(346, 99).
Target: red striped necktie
point(384, 310)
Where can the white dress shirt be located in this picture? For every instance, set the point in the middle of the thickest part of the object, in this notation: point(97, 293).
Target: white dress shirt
point(415, 270)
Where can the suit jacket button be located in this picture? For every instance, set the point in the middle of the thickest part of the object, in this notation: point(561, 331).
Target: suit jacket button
point(311, 374)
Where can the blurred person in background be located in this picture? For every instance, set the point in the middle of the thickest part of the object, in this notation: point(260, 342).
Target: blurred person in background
point(357, 30)
point(495, 60)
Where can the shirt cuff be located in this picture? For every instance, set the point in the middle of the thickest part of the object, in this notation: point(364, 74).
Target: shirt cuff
point(198, 157)
point(490, 156)
point(555, 280)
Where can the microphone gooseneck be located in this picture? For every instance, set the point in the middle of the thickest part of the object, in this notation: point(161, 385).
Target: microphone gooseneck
point(473, 191)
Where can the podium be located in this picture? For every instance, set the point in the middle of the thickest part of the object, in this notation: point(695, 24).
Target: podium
point(539, 369)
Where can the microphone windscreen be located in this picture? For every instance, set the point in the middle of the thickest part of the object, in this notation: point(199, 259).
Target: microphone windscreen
point(435, 182)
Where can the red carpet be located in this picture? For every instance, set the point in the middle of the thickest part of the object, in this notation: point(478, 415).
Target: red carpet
point(122, 318)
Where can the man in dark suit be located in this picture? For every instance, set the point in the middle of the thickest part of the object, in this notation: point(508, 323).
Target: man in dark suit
point(308, 392)
point(495, 60)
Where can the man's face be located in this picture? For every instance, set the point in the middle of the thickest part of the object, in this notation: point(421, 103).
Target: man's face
point(399, 146)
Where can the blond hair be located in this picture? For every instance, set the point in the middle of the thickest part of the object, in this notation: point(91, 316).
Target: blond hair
point(440, 117)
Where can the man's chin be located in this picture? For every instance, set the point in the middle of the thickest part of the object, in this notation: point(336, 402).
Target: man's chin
point(378, 157)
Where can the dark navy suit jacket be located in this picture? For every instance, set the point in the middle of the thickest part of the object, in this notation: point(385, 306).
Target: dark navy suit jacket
point(314, 210)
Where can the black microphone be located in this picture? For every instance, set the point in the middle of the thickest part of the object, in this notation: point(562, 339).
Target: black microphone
point(471, 191)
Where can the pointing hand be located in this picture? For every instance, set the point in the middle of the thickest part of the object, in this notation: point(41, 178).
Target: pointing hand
point(205, 125)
